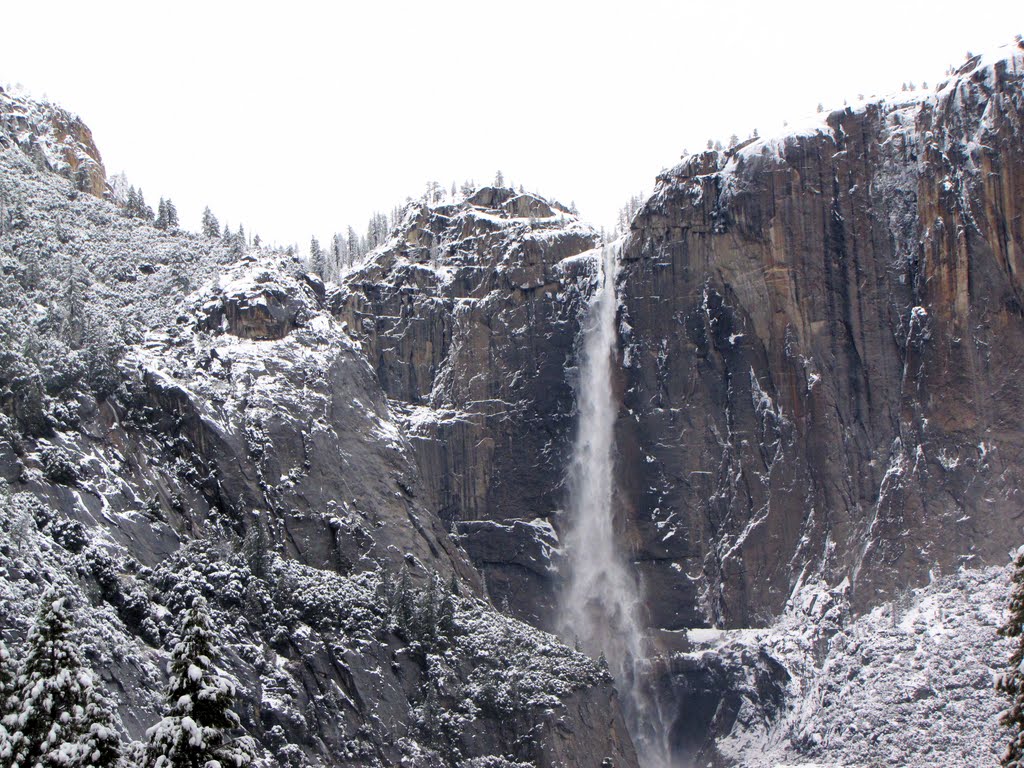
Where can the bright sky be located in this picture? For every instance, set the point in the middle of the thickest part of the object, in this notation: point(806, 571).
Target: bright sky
point(298, 118)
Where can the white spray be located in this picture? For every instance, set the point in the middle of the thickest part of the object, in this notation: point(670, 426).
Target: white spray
point(600, 602)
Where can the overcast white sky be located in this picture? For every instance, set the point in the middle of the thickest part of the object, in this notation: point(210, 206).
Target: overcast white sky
point(297, 118)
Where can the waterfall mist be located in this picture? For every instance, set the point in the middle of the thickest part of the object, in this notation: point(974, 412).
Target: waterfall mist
point(601, 601)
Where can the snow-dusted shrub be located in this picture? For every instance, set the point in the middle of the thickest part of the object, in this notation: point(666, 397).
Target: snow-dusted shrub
point(58, 466)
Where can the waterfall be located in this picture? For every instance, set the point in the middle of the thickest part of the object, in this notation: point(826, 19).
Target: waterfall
point(600, 607)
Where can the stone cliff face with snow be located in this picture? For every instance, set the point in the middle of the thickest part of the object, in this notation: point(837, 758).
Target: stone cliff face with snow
point(469, 316)
point(55, 139)
point(823, 353)
point(820, 342)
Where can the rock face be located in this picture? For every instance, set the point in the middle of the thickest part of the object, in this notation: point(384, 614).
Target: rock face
point(823, 368)
point(289, 421)
point(470, 315)
point(55, 139)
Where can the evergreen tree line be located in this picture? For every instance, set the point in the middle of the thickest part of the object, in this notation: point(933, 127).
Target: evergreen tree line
point(54, 713)
point(348, 248)
point(132, 203)
point(345, 249)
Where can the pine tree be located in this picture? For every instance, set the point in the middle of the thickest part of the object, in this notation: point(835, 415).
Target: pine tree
point(195, 730)
point(317, 261)
point(257, 549)
point(172, 214)
point(136, 207)
point(59, 716)
point(8, 701)
point(1012, 681)
point(339, 253)
point(355, 252)
point(433, 193)
point(499, 179)
point(7, 676)
point(131, 202)
point(211, 227)
point(161, 214)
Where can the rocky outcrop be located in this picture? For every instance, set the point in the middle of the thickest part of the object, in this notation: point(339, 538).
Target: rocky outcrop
point(55, 139)
point(260, 304)
point(469, 315)
point(822, 371)
point(288, 420)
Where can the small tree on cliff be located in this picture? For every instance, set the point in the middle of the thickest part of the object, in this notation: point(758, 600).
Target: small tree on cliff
point(1011, 682)
point(195, 730)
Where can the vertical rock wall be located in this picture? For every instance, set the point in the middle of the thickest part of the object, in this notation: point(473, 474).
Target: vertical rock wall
point(822, 372)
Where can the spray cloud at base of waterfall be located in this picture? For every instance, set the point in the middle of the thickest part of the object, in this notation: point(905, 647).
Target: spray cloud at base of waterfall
point(600, 607)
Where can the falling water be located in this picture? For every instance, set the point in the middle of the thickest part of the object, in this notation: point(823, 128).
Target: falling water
point(601, 601)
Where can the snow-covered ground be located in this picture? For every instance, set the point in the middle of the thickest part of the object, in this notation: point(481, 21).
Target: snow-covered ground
point(909, 684)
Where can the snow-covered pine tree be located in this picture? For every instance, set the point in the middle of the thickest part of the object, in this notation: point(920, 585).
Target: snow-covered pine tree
point(317, 261)
point(211, 227)
point(136, 206)
point(172, 214)
point(338, 253)
point(7, 675)
point(59, 718)
point(257, 549)
point(1011, 682)
point(161, 214)
point(7, 701)
point(195, 731)
point(355, 252)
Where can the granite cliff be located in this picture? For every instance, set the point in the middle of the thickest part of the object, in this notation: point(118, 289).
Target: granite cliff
point(824, 345)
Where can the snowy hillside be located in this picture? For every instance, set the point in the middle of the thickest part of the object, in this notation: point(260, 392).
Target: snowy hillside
point(911, 683)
